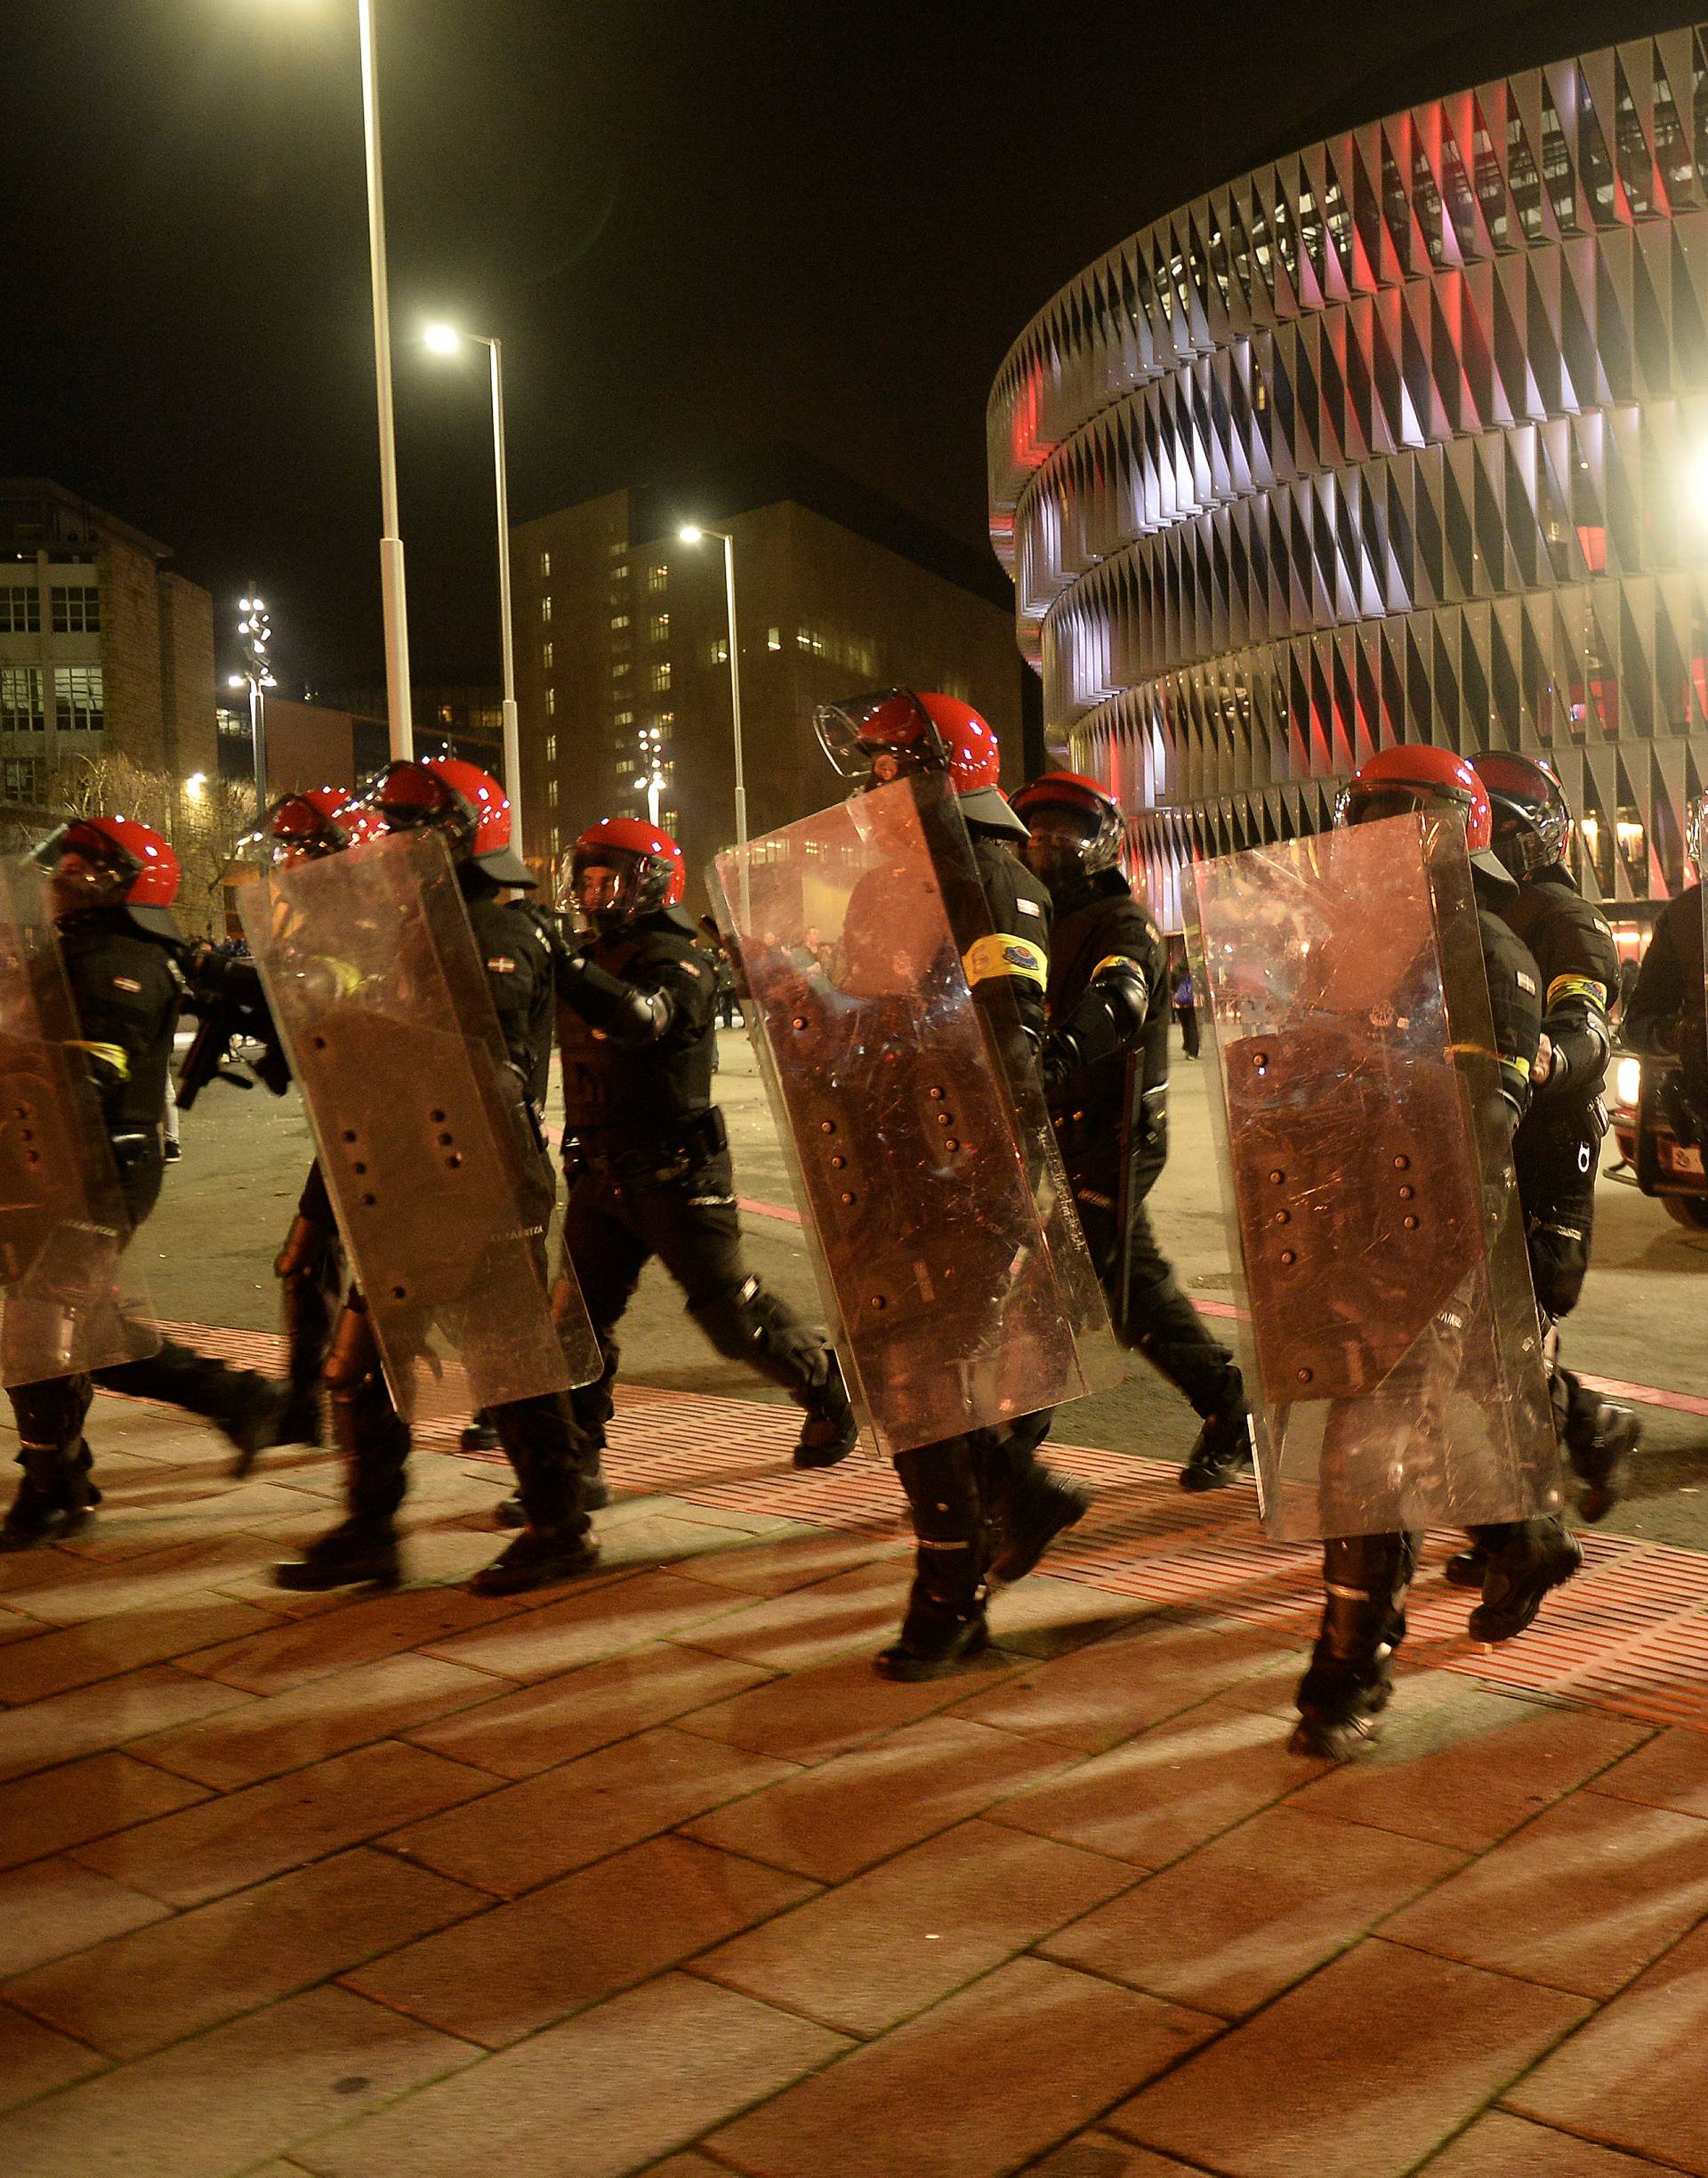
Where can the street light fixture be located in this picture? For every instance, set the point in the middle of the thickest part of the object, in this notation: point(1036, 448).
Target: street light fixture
point(445, 340)
point(694, 533)
point(255, 631)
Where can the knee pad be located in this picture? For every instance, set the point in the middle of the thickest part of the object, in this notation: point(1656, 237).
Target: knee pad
point(304, 1256)
point(747, 1324)
point(352, 1360)
point(52, 1412)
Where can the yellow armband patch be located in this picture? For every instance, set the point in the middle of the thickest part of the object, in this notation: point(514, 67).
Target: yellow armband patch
point(1576, 987)
point(1119, 960)
point(1000, 954)
point(110, 1054)
point(1520, 1067)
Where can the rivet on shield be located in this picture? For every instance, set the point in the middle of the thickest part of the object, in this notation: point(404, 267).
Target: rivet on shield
point(444, 1141)
point(319, 1043)
point(799, 1022)
point(826, 1127)
point(1259, 1060)
point(847, 1194)
point(935, 1095)
point(1306, 1374)
point(370, 1200)
point(350, 1133)
point(358, 1168)
point(1277, 1178)
point(1402, 1164)
point(454, 1159)
point(942, 1120)
point(437, 1118)
point(1409, 1223)
point(1284, 1217)
point(1288, 1256)
point(951, 1143)
point(878, 1302)
point(399, 1293)
point(1406, 1193)
point(837, 1162)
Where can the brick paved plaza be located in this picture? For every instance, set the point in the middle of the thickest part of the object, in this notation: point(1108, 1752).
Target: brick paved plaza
point(652, 1875)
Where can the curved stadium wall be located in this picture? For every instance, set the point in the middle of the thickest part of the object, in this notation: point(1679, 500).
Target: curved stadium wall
point(1402, 436)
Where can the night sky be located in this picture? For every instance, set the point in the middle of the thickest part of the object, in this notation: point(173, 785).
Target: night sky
point(699, 226)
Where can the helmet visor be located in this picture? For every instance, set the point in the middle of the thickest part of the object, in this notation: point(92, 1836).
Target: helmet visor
point(296, 831)
point(87, 867)
point(604, 887)
point(881, 736)
point(408, 797)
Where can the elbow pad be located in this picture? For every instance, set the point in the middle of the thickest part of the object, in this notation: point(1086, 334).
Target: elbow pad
point(1109, 1016)
point(618, 1010)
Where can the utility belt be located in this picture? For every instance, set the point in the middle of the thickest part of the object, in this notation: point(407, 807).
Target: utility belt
point(678, 1150)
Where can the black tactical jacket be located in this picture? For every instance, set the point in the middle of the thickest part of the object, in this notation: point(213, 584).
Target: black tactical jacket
point(127, 989)
point(1578, 970)
point(1096, 1108)
point(620, 1096)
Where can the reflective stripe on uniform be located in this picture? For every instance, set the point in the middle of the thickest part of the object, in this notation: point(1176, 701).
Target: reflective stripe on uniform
point(112, 1055)
point(1001, 955)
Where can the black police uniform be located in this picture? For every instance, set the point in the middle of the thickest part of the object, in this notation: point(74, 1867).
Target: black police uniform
point(1109, 1007)
point(1367, 1577)
point(548, 1451)
point(960, 1491)
point(1556, 1151)
point(127, 988)
point(1667, 1016)
point(647, 1157)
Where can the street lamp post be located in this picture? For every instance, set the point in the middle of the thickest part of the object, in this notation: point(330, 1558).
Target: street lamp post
point(256, 631)
point(446, 340)
point(391, 583)
point(691, 534)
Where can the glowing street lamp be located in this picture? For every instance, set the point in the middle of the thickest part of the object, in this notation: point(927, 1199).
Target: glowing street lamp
point(445, 340)
point(255, 633)
point(694, 533)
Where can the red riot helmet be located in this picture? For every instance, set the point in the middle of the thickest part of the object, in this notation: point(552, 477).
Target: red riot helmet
point(1532, 823)
point(890, 732)
point(443, 794)
point(1416, 777)
point(97, 862)
point(640, 870)
point(302, 827)
point(1075, 824)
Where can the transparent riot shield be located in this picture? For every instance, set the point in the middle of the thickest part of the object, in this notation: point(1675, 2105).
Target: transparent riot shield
point(942, 1230)
point(1387, 1327)
point(70, 1299)
point(441, 1192)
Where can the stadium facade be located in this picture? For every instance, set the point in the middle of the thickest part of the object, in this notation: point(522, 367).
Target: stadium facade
point(1404, 436)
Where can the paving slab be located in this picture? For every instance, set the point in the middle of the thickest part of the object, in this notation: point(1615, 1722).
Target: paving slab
point(1356, 2073)
point(52, 1809)
point(1499, 2146)
point(77, 1656)
point(947, 2096)
point(574, 1943)
point(522, 1836)
point(605, 2092)
point(110, 1714)
point(1583, 1898)
point(139, 1992)
point(34, 2059)
point(906, 1933)
point(54, 1907)
point(870, 1803)
point(1243, 1918)
point(1633, 2077)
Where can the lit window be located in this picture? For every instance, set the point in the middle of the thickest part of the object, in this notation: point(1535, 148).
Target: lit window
point(551, 794)
point(77, 611)
point(21, 707)
point(656, 578)
point(658, 680)
point(658, 628)
point(773, 638)
point(618, 550)
point(79, 699)
point(546, 609)
point(551, 703)
point(545, 567)
point(619, 620)
point(557, 842)
point(620, 573)
point(623, 718)
point(551, 748)
point(20, 610)
point(806, 639)
point(717, 651)
point(619, 669)
point(545, 655)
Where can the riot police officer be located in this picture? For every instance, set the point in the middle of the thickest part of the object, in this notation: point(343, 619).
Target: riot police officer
point(545, 1446)
point(981, 1506)
point(112, 883)
point(1557, 1152)
point(645, 1149)
point(1367, 1577)
point(1106, 1073)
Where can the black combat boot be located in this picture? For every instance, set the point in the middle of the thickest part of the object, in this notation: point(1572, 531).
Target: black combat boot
point(832, 1428)
point(247, 1409)
point(361, 1552)
point(1350, 1682)
point(538, 1557)
point(1026, 1502)
point(945, 1624)
point(1222, 1452)
point(1523, 1561)
point(1598, 1443)
point(55, 1496)
point(480, 1436)
point(595, 1496)
point(1466, 1568)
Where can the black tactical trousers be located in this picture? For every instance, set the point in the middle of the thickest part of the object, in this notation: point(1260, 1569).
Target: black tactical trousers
point(1558, 1237)
point(612, 1229)
point(548, 1451)
point(1158, 1321)
point(310, 1268)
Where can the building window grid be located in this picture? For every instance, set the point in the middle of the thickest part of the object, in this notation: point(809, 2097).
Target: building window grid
point(79, 698)
point(548, 653)
point(22, 700)
point(77, 609)
point(551, 748)
point(20, 609)
point(545, 567)
point(545, 609)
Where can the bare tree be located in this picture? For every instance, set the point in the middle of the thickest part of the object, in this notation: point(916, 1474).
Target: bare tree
point(203, 824)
